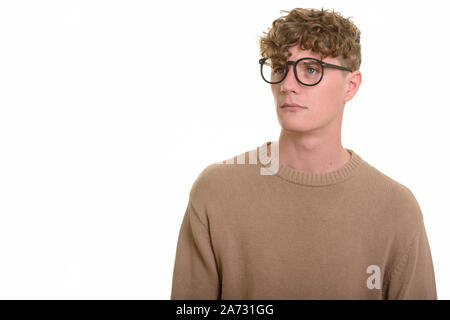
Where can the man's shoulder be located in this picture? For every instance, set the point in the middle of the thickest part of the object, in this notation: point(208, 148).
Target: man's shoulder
point(225, 174)
point(380, 179)
point(400, 202)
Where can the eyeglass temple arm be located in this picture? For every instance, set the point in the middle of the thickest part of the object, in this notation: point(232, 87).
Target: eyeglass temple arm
point(335, 66)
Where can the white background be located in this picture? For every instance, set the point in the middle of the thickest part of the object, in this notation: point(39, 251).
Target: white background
point(109, 110)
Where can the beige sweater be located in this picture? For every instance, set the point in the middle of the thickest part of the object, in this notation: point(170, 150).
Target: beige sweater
point(353, 233)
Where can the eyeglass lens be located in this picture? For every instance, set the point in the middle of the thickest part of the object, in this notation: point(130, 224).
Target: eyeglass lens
point(308, 71)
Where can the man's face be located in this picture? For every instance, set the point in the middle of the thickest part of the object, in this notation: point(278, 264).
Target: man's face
point(324, 101)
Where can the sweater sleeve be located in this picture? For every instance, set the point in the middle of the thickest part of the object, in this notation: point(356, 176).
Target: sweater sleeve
point(195, 274)
point(413, 278)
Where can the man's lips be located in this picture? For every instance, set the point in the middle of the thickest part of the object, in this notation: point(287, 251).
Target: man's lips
point(292, 106)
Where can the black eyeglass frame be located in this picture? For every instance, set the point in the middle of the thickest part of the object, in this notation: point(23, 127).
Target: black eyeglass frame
point(294, 64)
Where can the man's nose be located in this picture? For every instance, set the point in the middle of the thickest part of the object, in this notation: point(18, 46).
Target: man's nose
point(290, 83)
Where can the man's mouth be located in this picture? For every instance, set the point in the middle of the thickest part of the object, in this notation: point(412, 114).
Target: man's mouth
point(292, 106)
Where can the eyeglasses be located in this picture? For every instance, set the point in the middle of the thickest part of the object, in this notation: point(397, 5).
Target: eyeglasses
point(308, 71)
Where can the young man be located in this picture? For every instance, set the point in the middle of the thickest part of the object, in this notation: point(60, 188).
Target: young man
point(320, 222)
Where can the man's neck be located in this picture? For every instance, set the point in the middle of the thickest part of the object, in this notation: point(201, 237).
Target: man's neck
point(309, 154)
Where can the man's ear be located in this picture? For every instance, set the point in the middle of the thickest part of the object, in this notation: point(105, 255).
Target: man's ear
point(353, 83)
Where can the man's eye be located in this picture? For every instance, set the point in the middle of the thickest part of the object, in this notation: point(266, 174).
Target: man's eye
point(310, 70)
point(279, 70)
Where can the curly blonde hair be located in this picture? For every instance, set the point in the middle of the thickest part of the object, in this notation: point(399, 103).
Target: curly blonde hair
point(325, 32)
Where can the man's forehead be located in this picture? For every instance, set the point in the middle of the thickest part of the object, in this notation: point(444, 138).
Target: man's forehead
point(297, 53)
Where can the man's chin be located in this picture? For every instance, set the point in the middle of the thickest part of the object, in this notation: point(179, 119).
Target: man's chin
point(293, 125)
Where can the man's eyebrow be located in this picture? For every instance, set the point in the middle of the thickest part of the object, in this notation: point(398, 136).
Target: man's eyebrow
point(302, 58)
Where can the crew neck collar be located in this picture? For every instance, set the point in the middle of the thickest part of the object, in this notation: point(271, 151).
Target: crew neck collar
point(317, 179)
